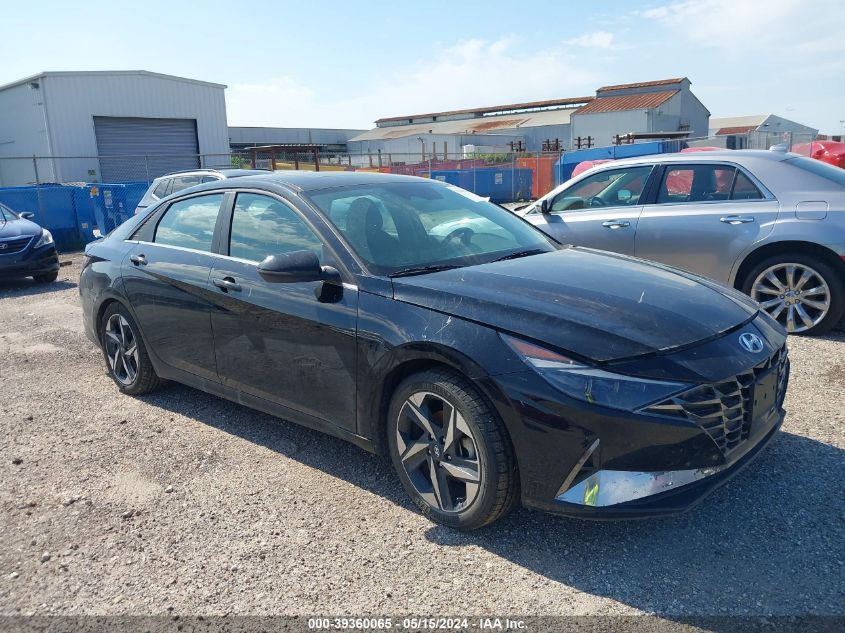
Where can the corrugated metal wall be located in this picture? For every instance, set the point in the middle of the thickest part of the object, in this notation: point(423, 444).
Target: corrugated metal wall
point(74, 99)
point(167, 144)
point(278, 135)
point(22, 133)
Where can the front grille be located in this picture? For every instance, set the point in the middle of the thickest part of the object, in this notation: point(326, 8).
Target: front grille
point(16, 245)
point(723, 409)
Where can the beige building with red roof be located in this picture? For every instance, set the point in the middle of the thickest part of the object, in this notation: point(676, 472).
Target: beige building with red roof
point(758, 131)
point(650, 107)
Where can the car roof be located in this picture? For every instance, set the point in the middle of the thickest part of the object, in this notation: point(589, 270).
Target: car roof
point(233, 172)
point(311, 180)
point(731, 155)
point(228, 172)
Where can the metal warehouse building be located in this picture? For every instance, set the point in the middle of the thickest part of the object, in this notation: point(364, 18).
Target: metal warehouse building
point(758, 131)
point(651, 107)
point(329, 140)
point(439, 133)
point(140, 124)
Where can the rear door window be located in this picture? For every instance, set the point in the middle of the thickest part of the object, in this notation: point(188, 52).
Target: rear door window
point(705, 183)
point(190, 223)
point(696, 183)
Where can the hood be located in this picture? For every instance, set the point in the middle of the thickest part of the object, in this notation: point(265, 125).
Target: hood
point(600, 306)
point(18, 228)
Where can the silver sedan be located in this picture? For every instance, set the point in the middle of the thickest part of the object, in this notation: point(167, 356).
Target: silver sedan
point(769, 223)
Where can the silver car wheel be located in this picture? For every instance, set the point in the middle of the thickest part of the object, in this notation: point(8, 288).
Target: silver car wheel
point(121, 349)
point(795, 295)
point(438, 452)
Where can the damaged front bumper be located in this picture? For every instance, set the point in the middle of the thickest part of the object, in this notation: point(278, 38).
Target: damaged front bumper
point(608, 494)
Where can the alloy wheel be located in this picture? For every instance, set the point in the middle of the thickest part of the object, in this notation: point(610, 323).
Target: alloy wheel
point(121, 349)
point(438, 452)
point(794, 294)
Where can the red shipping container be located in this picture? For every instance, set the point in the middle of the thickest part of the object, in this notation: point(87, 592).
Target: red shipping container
point(542, 173)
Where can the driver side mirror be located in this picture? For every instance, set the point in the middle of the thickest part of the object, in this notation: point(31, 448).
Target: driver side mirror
point(545, 207)
point(294, 267)
point(27, 215)
point(301, 266)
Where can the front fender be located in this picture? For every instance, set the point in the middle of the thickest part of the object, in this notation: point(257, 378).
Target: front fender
point(411, 339)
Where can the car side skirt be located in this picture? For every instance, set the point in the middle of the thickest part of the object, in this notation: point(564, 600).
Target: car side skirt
point(260, 404)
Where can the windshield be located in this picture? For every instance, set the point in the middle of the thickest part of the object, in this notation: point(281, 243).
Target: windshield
point(6, 214)
point(817, 167)
point(399, 226)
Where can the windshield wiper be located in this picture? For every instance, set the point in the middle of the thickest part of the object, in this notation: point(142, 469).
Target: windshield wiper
point(422, 270)
point(518, 254)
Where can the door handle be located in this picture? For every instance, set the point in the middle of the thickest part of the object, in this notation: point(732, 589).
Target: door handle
point(736, 219)
point(226, 283)
point(616, 224)
point(138, 260)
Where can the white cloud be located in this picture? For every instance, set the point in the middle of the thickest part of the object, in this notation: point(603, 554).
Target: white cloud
point(746, 56)
point(470, 73)
point(598, 39)
point(776, 27)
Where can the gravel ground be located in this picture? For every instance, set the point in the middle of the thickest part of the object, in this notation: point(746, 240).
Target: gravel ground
point(181, 501)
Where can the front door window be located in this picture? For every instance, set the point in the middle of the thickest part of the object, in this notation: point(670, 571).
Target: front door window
point(608, 188)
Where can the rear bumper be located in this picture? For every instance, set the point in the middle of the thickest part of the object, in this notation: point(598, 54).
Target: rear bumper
point(41, 261)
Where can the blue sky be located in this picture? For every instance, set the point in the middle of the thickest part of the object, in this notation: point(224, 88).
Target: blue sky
point(345, 64)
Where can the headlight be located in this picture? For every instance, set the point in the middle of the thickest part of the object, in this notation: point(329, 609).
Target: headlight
point(590, 384)
point(46, 238)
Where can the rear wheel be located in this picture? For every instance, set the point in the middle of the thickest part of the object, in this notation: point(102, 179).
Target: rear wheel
point(800, 291)
point(451, 451)
point(126, 355)
point(47, 278)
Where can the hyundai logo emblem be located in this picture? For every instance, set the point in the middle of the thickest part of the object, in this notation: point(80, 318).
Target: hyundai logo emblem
point(751, 342)
point(3, 247)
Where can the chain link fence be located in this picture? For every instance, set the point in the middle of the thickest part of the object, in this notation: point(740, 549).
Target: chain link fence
point(80, 197)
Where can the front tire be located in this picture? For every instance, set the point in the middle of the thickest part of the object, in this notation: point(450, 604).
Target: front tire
point(451, 451)
point(800, 291)
point(127, 360)
point(46, 278)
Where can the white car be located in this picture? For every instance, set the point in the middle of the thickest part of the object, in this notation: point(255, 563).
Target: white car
point(165, 185)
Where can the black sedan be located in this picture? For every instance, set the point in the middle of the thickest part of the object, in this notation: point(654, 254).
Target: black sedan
point(26, 250)
point(494, 365)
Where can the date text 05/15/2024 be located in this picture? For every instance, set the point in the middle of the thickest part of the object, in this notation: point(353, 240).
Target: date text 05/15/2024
point(416, 624)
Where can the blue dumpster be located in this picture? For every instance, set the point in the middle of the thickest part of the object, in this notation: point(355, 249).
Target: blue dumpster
point(71, 212)
point(54, 207)
point(114, 203)
point(500, 184)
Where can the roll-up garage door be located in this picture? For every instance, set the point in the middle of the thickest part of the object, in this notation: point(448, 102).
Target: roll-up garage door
point(133, 149)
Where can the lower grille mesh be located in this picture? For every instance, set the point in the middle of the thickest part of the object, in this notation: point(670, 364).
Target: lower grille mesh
point(723, 409)
point(9, 247)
